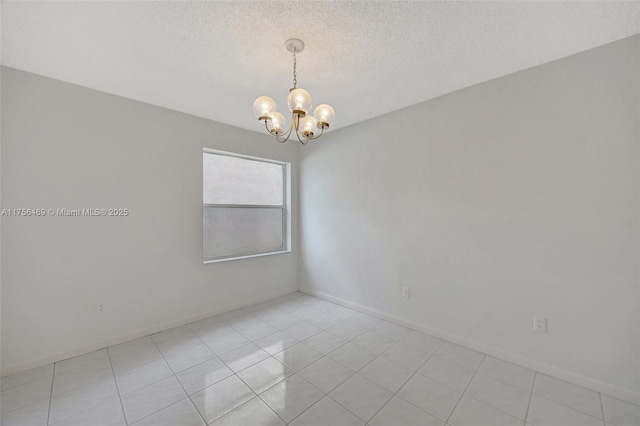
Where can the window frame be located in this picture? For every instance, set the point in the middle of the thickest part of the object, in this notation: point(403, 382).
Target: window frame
point(285, 207)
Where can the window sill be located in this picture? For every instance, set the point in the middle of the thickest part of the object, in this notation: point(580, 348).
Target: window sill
point(226, 259)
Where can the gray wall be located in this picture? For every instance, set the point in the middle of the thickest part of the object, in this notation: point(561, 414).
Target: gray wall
point(514, 197)
point(64, 146)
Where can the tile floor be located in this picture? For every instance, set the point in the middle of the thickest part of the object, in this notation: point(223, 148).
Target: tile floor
point(297, 360)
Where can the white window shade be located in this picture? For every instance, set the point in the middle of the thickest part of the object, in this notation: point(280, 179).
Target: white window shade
point(233, 180)
point(244, 206)
point(242, 231)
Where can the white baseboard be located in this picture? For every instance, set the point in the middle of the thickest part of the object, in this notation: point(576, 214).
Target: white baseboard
point(548, 369)
point(38, 362)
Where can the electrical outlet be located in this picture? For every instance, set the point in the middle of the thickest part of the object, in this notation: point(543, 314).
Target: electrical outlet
point(100, 308)
point(405, 292)
point(540, 324)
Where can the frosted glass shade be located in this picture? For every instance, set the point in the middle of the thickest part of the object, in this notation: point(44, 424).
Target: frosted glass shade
point(324, 114)
point(307, 125)
point(299, 100)
point(278, 123)
point(263, 106)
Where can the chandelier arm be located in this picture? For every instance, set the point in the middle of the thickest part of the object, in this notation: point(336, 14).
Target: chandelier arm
point(303, 137)
point(309, 138)
point(273, 134)
point(278, 137)
point(281, 140)
point(285, 138)
point(296, 118)
point(316, 137)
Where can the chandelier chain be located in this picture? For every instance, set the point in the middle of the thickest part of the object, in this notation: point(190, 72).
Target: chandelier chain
point(295, 74)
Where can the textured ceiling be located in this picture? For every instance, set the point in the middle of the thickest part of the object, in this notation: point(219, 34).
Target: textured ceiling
point(212, 59)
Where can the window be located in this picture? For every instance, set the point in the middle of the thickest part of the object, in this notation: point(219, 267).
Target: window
point(244, 206)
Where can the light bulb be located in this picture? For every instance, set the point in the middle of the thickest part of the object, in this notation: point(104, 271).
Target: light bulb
point(324, 115)
point(299, 100)
point(307, 126)
point(277, 123)
point(263, 106)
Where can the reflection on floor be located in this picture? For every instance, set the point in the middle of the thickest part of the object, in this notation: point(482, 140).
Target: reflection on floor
point(297, 360)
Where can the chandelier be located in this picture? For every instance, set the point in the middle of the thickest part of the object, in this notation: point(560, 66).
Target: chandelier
point(299, 100)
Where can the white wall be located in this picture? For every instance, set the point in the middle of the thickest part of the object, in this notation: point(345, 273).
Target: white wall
point(514, 197)
point(64, 146)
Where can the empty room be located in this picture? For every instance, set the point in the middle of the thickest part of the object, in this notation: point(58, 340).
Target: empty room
point(322, 213)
